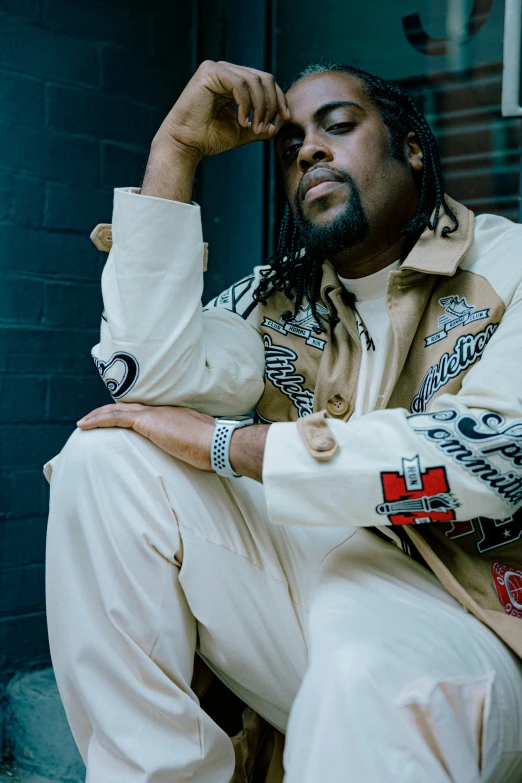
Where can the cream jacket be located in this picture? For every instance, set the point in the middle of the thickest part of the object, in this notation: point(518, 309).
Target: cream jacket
point(441, 456)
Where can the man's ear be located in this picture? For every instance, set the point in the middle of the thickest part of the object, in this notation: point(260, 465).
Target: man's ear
point(413, 151)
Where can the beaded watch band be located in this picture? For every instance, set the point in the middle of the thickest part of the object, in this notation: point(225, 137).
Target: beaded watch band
point(219, 450)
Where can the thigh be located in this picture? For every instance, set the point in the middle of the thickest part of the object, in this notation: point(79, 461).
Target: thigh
point(251, 610)
point(376, 611)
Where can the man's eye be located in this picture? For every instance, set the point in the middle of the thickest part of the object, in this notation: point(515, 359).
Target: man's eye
point(290, 150)
point(342, 126)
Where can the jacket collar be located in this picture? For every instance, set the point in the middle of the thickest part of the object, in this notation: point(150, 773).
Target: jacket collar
point(440, 255)
point(432, 253)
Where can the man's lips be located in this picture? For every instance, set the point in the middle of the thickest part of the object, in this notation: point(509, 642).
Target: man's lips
point(314, 180)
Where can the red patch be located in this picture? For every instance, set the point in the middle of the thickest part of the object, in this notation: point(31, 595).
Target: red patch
point(508, 584)
point(414, 497)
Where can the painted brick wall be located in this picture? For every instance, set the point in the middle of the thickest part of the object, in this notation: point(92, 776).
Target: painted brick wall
point(83, 87)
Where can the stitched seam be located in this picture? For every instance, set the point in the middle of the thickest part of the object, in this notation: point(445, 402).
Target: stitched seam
point(314, 578)
point(159, 627)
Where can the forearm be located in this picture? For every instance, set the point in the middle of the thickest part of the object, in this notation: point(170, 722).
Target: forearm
point(170, 171)
point(247, 448)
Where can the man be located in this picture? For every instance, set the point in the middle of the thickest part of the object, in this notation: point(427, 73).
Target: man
point(380, 351)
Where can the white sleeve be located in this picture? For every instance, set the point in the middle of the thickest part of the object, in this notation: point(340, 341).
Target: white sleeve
point(157, 346)
point(460, 461)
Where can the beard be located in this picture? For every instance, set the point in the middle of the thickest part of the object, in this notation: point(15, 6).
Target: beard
point(348, 229)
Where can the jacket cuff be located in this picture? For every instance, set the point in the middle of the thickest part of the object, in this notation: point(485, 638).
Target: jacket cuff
point(290, 466)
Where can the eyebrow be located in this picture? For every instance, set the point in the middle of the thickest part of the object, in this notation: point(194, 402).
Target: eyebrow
point(318, 114)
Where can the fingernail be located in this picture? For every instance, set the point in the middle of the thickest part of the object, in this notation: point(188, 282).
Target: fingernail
point(81, 421)
point(260, 127)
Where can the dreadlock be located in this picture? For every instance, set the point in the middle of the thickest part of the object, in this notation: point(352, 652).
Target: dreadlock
point(297, 273)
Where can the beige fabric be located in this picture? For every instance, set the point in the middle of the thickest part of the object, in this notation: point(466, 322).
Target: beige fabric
point(413, 301)
point(218, 363)
point(145, 555)
point(317, 436)
point(101, 236)
point(217, 366)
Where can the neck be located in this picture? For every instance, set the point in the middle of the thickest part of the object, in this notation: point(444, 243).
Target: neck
point(358, 262)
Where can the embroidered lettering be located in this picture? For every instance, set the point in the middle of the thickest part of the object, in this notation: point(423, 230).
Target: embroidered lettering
point(443, 429)
point(468, 348)
point(281, 373)
point(457, 313)
point(302, 325)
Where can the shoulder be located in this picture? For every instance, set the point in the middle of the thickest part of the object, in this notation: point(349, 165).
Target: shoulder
point(239, 297)
point(496, 254)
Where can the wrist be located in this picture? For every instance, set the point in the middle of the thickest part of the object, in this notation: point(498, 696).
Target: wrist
point(168, 148)
point(247, 448)
point(170, 169)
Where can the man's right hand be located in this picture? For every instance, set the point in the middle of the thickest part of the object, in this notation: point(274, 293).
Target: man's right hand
point(205, 121)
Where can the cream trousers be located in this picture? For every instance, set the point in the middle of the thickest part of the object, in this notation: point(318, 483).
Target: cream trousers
point(336, 637)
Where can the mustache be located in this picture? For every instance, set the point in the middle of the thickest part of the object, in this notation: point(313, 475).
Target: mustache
point(344, 231)
point(344, 176)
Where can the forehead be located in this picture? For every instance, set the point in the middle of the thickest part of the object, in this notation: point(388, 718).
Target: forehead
point(317, 89)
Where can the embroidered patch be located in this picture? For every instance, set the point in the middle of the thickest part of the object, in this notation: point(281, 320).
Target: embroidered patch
point(448, 429)
point(302, 325)
point(494, 533)
point(457, 312)
point(119, 373)
point(468, 348)
point(495, 439)
point(282, 374)
point(235, 298)
point(508, 584)
point(415, 497)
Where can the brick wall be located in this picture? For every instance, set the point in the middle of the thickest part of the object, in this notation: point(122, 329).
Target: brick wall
point(83, 86)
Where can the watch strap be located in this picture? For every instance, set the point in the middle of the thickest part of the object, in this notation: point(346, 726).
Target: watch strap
point(220, 448)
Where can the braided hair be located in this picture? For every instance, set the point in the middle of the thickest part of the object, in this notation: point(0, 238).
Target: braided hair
point(297, 273)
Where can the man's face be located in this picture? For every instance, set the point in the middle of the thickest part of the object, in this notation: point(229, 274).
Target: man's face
point(343, 183)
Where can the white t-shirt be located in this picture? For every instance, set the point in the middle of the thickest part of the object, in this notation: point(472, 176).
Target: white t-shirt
point(373, 323)
point(374, 327)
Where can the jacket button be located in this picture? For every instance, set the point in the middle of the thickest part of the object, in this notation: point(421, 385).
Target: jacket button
point(102, 236)
point(322, 443)
point(337, 405)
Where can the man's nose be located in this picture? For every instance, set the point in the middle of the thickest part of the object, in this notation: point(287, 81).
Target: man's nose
point(313, 151)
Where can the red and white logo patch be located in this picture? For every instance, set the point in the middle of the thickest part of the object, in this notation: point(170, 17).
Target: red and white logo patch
point(414, 496)
point(508, 584)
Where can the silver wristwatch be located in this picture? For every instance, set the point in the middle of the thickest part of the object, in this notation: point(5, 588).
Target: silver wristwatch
point(219, 451)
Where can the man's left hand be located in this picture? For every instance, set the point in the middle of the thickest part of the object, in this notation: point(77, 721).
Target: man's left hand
point(183, 433)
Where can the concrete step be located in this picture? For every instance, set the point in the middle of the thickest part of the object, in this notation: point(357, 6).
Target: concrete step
point(38, 740)
point(9, 774)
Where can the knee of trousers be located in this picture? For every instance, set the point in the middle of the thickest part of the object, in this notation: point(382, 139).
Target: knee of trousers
point(106, 466)
point(103, 446)
point(94, 448)
point(112, 480)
